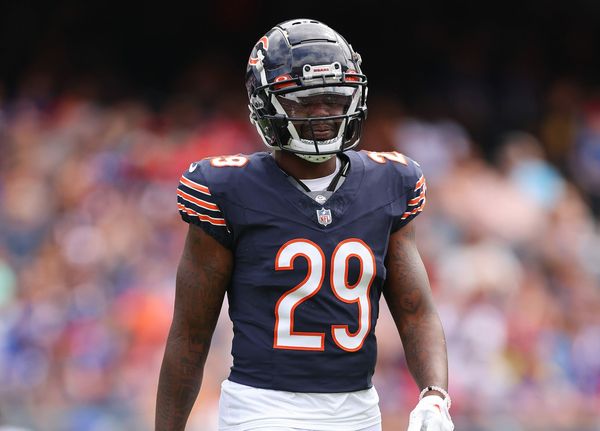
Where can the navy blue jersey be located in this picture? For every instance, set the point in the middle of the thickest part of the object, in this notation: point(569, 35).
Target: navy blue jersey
point(307, 279)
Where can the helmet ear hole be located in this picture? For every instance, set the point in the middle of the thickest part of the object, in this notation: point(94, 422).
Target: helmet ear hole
point(280, 132)
point(279, 120)
point(353, 131)
point(363, 112)
point(350, 130)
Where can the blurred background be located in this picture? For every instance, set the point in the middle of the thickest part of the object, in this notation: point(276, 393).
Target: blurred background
point(104, 104)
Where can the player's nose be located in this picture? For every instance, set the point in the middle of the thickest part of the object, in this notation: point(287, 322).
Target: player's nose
point(319, 110)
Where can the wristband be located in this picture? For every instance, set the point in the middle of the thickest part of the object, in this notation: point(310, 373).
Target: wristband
point(438, 389)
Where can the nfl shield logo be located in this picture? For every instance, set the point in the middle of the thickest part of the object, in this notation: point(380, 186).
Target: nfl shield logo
point(324, 216)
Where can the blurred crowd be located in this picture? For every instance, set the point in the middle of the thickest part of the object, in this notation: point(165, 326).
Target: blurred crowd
point(90, 237)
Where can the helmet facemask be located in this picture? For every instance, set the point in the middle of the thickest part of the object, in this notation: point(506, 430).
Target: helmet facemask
point(317, 119)
point(307, 92)
point(314, 122)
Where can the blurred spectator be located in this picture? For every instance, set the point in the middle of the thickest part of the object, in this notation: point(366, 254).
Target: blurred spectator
point(521, 158)
point(585, 161)
point(437, 145)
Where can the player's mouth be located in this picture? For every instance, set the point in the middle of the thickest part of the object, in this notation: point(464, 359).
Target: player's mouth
point(320, 132)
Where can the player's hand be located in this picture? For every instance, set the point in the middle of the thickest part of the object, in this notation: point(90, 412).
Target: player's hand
point(431, 414)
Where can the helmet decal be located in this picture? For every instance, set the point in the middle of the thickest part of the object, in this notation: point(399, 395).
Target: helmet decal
point(265, 43)
point(349, 76)
point(284, 81)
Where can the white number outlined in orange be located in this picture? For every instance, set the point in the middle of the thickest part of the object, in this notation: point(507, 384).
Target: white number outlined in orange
point(284, 335)
point(357, 293)
point(383, 156)
point(228, 161)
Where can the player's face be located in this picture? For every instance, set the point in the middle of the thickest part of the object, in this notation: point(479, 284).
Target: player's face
point(316, 106)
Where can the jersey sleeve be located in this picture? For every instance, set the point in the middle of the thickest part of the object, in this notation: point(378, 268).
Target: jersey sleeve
point(415, 195)
point(198, 206)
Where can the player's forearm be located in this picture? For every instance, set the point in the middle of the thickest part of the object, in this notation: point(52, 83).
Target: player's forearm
point(421, 331)
point(200, 287)
point(411, 303)
point(425, 350)
point(179, 382)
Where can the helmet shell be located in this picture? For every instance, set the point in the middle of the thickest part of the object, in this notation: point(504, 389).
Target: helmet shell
point(296, 55)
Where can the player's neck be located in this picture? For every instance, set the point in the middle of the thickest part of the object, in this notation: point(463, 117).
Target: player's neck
point(300, 168)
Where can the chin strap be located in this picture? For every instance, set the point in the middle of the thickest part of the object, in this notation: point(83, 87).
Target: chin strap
point(335, 183)
point(314, 158)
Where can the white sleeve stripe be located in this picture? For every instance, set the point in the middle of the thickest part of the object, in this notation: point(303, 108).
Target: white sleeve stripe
point(415, 211)
point(194, 185)
point(201, 203)
point(202, 217)
point(417, 200)
point(420, 183)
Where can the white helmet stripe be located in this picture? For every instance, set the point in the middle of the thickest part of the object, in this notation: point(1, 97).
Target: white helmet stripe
point(351, 108)
point(280, 110)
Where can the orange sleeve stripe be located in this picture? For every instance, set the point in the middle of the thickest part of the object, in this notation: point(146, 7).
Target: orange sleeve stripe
point(413, 212)
point(192, 185)
point(202, 217)
point(416, 200)
point(420, 183)
point(199, 202)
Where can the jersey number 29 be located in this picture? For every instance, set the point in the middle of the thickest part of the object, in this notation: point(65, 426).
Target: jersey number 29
point(284, 335)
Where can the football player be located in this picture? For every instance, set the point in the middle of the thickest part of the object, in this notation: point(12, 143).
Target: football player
point(303, 239)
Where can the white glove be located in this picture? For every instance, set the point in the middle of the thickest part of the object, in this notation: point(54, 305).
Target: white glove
point(431, 414)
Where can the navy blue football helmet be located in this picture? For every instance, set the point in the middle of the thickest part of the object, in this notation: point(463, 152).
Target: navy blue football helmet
point(297, 63)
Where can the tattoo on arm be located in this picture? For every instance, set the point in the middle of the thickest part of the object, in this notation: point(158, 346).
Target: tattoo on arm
point(202, 278)
point(409, 298)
